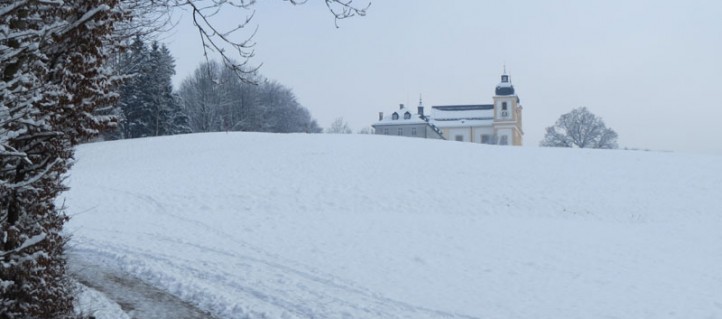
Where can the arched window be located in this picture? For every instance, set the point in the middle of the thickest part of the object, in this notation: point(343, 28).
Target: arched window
point(503, 106)
point(407, 116)
point(395, 116)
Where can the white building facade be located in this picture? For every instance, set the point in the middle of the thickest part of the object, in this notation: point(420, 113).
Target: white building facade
point(498, 123)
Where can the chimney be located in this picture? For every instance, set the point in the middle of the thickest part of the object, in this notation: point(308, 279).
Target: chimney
point(401, 106)
point(421, 111)
point(381, 116)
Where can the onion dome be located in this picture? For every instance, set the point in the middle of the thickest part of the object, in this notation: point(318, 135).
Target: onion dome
point(504, 87)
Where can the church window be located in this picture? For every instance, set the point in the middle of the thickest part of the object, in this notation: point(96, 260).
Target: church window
point(407, 116)
point(413, 131)
point(504, 140)
point(503, 106)
point(485, 139)
point(395, 116)
point(401, 131)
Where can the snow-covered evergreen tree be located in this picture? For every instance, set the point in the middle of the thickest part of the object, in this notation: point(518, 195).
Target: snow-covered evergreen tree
point(134, 94)
point(148, 106)
point(173, 119)
point(179, 121)
point(159, 90)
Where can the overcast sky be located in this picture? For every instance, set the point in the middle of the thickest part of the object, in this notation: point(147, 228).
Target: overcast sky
point(650, 69)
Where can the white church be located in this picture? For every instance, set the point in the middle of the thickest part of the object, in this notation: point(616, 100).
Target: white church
point(498, 123)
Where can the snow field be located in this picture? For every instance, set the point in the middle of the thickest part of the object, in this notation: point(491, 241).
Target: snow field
point(250, 225)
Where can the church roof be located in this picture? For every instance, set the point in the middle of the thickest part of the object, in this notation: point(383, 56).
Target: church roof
point(462, 112)
point(464, 107)
point(503, 90)
point(415, 118)
point(389, 118)
point(462, 122)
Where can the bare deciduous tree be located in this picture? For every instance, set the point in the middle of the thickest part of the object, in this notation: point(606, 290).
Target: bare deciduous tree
point(216, 100)
point(367, 130)
point(339, 126)
point(580, 128)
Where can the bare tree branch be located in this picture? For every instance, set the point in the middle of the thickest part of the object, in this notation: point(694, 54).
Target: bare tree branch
point(213, 39)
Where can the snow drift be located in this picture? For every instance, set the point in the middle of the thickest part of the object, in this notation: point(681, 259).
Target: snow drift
point(248, 225)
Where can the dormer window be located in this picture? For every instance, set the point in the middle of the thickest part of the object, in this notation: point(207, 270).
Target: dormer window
point(407, 116)
point(395, 116)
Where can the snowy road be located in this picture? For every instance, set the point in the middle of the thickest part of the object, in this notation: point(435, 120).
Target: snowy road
point(136, 298)
point(250, 283)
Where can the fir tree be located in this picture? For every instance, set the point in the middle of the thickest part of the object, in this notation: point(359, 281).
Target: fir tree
point(134, 93)
point(148, 105)
point(179, 121)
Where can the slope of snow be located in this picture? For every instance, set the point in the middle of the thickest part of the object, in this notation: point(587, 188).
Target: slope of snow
point(248, 225)
point(90, 302)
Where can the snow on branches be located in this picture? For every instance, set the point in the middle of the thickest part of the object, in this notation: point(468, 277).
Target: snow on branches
point(52, 63)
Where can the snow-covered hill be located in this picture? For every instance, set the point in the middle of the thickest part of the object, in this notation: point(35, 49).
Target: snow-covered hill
point(249, 225)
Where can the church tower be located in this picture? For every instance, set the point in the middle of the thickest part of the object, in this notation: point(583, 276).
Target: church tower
point(507, 114)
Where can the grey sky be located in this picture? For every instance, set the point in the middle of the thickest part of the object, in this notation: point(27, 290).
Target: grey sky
point(651, 69)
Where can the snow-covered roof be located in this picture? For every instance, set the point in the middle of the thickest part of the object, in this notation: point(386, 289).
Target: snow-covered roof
point(415, 118)
point(463, 112)
point(462, 123)
point(443, 116)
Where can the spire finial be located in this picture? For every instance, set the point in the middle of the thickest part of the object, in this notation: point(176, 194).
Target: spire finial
point(504, 76)
point(421, 100)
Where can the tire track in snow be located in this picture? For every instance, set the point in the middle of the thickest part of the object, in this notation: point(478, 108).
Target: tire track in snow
point(298, 293)
point(136, 298)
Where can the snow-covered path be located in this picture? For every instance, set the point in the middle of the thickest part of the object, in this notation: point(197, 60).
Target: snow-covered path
point(245, 225)
point(136, 298)
point(247, 281)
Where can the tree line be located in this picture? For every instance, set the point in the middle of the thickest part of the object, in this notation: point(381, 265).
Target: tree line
point(216, 99)
point(212, 99)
